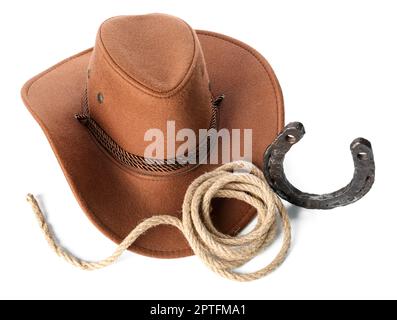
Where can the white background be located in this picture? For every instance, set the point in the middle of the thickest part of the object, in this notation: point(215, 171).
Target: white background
point(337, 64)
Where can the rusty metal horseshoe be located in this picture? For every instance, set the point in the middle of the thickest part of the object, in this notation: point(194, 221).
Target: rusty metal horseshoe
point(273, 169)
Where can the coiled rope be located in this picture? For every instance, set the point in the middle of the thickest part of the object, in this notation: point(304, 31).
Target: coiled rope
point(221, 253)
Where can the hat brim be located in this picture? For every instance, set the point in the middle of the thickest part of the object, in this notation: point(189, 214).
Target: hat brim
point(115, 198)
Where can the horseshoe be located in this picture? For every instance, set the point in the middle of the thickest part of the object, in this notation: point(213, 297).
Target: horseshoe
point(273, 169)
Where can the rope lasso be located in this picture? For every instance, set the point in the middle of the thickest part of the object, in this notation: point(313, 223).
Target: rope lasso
point(220, 252)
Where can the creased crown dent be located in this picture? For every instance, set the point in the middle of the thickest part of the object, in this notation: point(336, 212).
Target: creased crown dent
point(129, 75)
point(150, 69)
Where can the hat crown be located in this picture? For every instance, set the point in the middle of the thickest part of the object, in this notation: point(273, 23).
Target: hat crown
point(144, 71)
point(155, 50)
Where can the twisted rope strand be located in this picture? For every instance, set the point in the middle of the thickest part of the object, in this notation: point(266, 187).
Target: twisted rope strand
point(220, 252)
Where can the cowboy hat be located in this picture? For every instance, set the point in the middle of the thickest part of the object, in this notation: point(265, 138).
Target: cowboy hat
point(144, 71)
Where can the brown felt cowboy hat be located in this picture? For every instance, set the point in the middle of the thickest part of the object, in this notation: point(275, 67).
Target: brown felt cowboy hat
point(142, 72)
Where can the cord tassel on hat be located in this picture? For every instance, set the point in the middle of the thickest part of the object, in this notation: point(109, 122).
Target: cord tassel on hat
point(221, 253)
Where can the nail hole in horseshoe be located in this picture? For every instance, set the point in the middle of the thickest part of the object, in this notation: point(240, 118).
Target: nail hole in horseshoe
point(290, 138)
point(362, 156)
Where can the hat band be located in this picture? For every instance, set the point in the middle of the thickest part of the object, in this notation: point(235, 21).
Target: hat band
point(136, 161)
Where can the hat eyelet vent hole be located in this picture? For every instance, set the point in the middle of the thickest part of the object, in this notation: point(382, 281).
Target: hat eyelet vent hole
point(100, 98)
